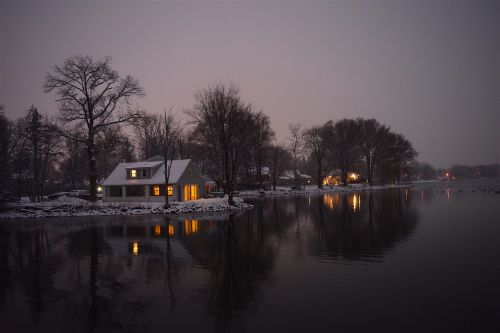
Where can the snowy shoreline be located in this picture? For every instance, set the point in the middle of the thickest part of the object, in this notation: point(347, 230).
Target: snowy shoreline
point(311, 189)
point(70, 207)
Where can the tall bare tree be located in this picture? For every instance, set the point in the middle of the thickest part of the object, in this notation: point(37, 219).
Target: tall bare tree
point(280, 158)
point(346, 145)
point(318, 140)
point(261, 137)
point(170, 130)
point(372, 135)
point(91, 96)
point(221, 120)
point(296, 148)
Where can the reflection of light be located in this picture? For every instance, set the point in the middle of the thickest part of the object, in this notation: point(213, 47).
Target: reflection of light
point(406, 195)
point(356, 202)
point(331, 200)
point(157, 230)
point(448, 194)
point(190, 226)
point(171, 230)
point(135, 248)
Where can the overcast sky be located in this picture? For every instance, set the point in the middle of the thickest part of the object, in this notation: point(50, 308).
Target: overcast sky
point(428, 69)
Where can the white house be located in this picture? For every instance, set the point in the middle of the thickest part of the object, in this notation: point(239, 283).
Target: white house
point(145, 181)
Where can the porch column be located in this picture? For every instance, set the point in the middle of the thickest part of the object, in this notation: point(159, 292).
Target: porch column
point(147, 192)
point(124, 190)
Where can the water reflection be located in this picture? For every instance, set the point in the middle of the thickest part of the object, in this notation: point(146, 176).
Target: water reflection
point(141, 273)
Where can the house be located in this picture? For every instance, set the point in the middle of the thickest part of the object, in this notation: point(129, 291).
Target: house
point(145, 181)
point(287, 178)
point(253, 178)
point(334, 177)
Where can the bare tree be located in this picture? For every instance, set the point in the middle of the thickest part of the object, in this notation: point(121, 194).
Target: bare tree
point(371, 142)
point(170, 130)
point(147, 130)
point(91, 96)
point(318, 140)
point(397, 155)
point(296, 148)
point(346, 145)
point(261, 137)
point(280, 158)
point(221, 120)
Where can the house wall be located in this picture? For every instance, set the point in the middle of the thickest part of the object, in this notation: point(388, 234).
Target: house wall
point(192, 176)
point(147, 198)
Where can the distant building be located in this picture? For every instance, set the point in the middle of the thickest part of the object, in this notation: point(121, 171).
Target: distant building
point(145, 181)
point(287, 178)
point(334, 177)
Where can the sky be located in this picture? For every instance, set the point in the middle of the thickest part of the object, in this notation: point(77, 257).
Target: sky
point(428, 69)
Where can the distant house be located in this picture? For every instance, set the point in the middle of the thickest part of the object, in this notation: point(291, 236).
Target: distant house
point(253, 178)
point(334, 177)
point(145, 181)
point(287, 178)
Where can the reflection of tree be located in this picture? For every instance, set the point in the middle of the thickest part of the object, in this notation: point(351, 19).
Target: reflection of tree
point(374, 229)
point(239, 255)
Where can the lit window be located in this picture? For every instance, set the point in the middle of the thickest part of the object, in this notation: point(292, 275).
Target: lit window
point(133, 173)
point(170, 190)
point(156, 190)
point(157, 230)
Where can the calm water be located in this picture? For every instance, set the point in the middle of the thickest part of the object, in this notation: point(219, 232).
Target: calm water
point(424, 259)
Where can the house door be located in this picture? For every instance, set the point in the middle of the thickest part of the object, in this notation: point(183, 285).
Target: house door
point(190, 192)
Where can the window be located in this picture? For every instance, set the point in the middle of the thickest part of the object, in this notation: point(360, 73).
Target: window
point(156, 190)
point(133, 173)
point(113, 191)
point(135, 191)
point(170, 190)
point(190, 192)
point(144, 173)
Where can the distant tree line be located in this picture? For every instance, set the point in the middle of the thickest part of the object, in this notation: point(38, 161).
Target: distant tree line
point(99, 125)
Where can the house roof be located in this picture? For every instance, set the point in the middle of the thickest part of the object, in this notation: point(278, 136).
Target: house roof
point(119, 174)
point(288, 174)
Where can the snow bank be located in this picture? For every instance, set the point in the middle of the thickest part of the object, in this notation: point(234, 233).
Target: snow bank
point(66, 206)
point(314, 189)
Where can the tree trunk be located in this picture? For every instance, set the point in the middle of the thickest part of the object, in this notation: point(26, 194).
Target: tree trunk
point(92, 168)
point(319, 174)
point(369, 170)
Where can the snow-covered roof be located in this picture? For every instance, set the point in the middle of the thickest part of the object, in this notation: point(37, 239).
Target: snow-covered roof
point(119, 174)
point(145, 164)
point(263, 170)
point(288, 174)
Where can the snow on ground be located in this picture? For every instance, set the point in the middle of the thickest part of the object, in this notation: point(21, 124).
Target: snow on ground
point(314, 189)
point(67, 206)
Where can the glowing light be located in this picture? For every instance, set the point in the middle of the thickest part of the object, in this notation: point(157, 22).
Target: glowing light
point(135, 248)
point(356, 202)
point(170, 190)
point(157, 230)
point(99, 189)
point(171, 230)
point(353, 176)
point(133, 173)
point(156, 190)
point(190, 227)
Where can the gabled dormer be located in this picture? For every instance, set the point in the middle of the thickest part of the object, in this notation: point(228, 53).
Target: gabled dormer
point(138, 173)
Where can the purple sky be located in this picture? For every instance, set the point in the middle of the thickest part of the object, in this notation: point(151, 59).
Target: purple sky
point(428, 69)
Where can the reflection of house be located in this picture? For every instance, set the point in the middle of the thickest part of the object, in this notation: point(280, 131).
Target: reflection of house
point(287, 178)
point(145, 181)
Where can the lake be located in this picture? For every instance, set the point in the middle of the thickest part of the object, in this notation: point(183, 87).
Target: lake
point(409, 260)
